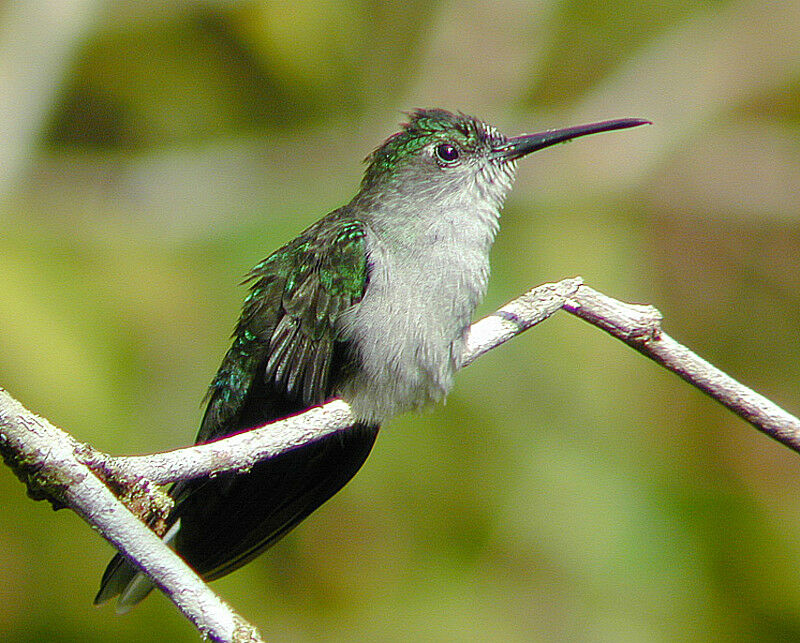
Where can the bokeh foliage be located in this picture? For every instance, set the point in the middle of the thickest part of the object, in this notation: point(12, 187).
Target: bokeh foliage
point(569, 490)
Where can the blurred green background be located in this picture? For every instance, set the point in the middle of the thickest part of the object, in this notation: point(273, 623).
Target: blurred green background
point(151, 152)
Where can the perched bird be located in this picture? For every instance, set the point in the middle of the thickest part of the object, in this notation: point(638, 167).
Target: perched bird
point(370, 304)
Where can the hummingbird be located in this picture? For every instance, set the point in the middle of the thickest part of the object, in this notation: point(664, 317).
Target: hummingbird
point(370, 304)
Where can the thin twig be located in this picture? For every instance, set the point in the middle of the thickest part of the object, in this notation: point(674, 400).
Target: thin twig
point(235, 453)
point(242, 451)
point(637, 325)
point(640, 328)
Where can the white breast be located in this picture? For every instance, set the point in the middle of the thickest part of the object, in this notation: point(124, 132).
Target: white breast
point(408, 330)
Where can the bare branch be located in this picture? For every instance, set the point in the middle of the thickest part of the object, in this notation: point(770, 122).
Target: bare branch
point(637, 325)
point(56, 467)
point(44, 457)
point(235, 453)
point(242, 451)
point(517, 316)
point(640, 328)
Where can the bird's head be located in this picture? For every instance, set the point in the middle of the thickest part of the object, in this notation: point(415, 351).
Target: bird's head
point(443, 155)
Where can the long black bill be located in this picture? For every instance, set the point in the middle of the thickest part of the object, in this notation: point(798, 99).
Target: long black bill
point(519, 146)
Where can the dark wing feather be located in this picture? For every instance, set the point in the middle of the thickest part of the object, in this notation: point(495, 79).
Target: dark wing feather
point(287, 347)
point(285, 357)
point(286, 333)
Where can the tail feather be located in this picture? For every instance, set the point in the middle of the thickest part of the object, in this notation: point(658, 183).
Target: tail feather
point(134, 593)
point(116, 577)
point(123, 579)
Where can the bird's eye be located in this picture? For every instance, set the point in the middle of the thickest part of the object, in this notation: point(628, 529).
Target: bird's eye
point(447, 152)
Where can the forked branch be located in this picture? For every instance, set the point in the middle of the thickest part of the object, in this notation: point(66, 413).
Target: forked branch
point(69, 474)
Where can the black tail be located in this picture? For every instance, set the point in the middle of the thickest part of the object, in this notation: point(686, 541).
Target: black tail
point(221, 523)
